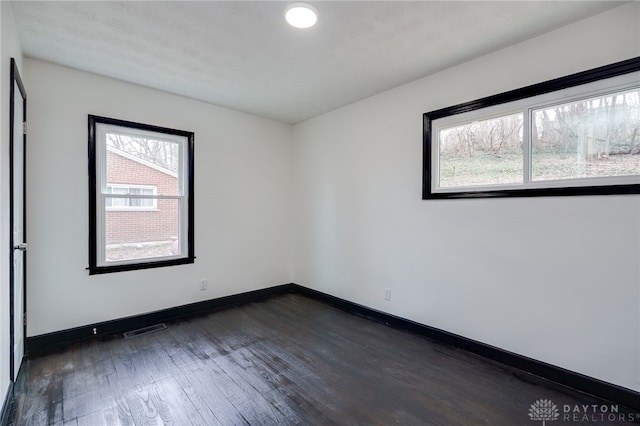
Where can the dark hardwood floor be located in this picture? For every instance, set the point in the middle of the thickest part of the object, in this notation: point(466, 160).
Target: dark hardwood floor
point(286, 360)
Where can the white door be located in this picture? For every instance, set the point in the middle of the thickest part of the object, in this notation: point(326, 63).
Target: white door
point(17, 219)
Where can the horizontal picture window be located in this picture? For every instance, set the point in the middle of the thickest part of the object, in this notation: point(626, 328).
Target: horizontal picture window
point(577, 135)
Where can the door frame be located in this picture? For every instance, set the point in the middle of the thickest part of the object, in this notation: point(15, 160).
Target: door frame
point(21, 316)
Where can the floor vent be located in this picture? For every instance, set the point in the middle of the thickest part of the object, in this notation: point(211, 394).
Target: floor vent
point(145, 330)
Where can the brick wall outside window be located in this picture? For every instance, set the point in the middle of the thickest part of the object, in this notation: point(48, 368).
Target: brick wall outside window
point(141, 226)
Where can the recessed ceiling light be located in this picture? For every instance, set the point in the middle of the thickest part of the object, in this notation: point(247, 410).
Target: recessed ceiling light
point(301, 15)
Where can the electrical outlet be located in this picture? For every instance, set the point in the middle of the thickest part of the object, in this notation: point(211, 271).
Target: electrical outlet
point(387, 294)
point(204, 284)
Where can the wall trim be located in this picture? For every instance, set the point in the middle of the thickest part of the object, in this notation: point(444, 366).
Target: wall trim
point(46, 343)
point(7, 405)
point(586, 384)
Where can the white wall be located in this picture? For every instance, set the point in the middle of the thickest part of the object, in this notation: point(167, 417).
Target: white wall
point(242, 201)
point(10, 47)
point(556, 279)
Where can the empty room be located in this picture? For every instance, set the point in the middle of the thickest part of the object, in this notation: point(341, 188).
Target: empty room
point(319, 213)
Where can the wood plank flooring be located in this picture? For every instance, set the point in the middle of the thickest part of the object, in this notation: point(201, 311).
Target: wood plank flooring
point(286, 360)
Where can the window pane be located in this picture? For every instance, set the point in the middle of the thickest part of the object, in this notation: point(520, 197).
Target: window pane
point(595, 137)
point(487, 152)
point(118, 202)
point(118, 190)
point(131, 235)
point(134, 203)
point(139, 202)
point(143, 161)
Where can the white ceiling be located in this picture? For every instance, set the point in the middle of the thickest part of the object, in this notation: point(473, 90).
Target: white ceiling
point(243, 55)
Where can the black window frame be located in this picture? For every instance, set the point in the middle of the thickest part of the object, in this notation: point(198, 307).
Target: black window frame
point(577, 79)
point(94, 268)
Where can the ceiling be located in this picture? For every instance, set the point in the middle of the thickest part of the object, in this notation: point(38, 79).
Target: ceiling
point(242, 54)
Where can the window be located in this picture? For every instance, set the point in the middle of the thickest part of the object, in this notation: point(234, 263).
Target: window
point(140, 196)
point(131, 203)
point(576, 135)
